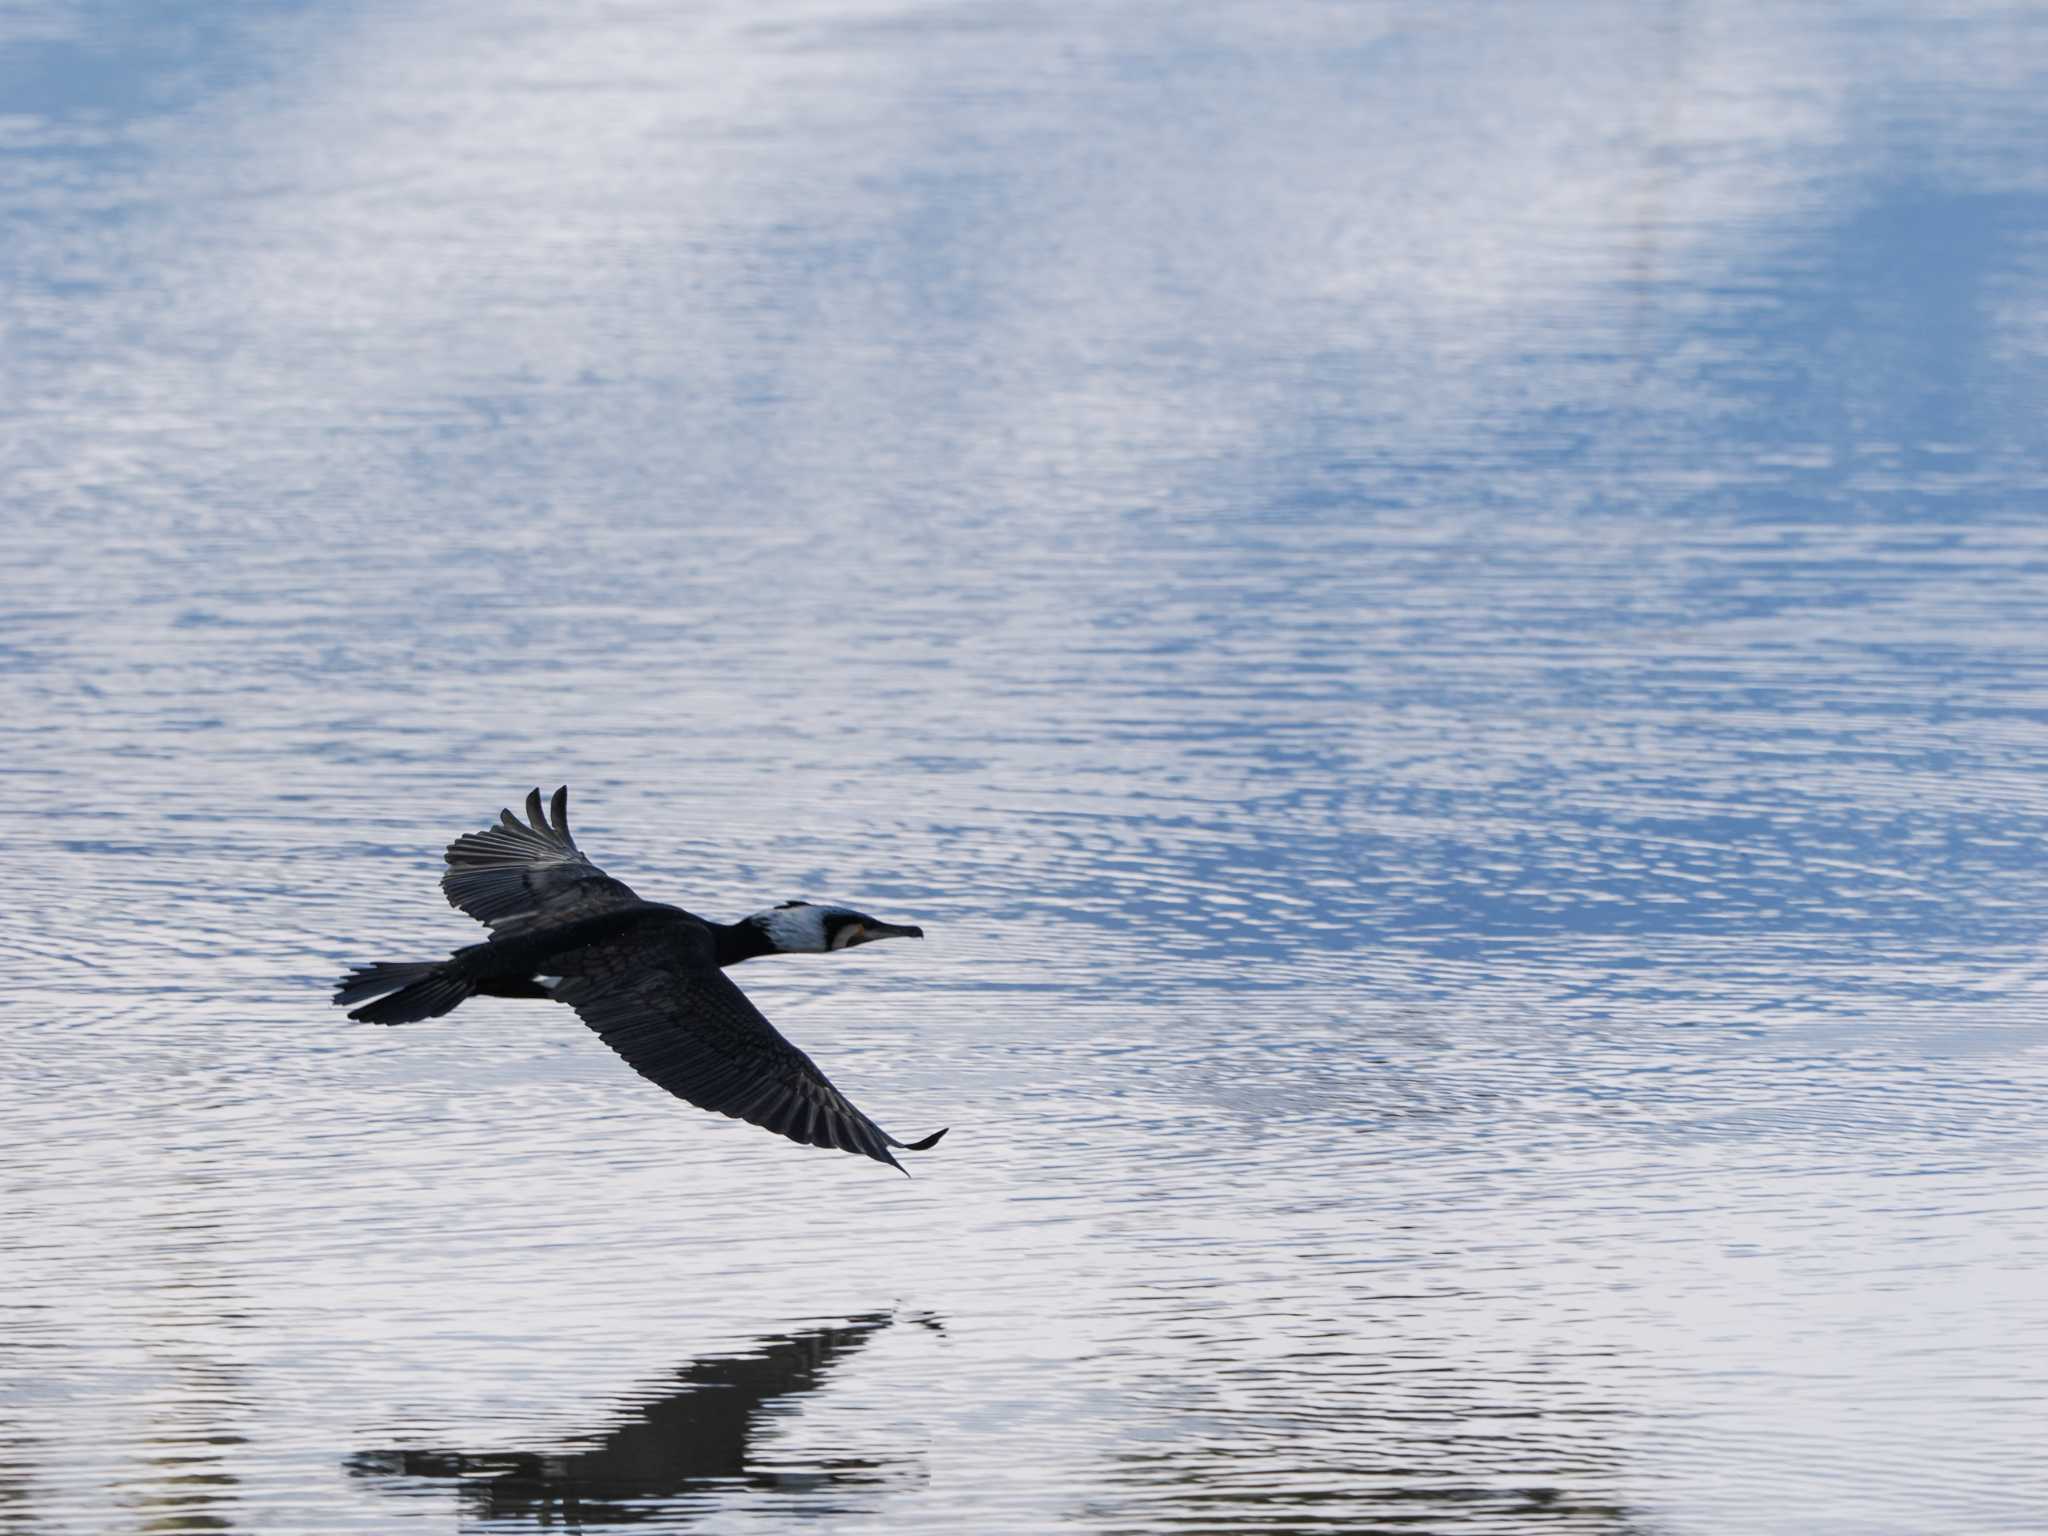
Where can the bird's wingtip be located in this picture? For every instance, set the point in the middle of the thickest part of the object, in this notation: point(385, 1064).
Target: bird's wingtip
point(928, 1143)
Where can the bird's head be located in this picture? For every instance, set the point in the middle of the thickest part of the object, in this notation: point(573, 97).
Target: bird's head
point(798, 927)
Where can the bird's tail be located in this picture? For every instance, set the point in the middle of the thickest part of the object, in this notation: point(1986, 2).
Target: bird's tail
point(417, 991)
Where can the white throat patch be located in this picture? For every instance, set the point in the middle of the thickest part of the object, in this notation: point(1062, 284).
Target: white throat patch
point(798, 929)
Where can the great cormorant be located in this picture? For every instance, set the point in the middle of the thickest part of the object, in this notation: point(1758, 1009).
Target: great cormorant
point(647, 977)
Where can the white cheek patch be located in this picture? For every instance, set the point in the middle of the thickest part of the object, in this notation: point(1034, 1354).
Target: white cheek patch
point(850, 934)
point(549, 982)
point(797, 930)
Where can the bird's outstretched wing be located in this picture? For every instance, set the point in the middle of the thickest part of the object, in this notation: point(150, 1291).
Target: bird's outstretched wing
point(512, 875)
point(655, 994)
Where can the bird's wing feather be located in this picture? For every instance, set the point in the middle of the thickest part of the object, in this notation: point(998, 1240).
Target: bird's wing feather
point(511, 875)
point(655, 995)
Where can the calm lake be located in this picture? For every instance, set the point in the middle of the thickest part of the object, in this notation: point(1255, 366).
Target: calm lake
point(1441, 611)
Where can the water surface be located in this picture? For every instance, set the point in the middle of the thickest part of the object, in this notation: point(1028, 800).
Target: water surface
point(1438, 612)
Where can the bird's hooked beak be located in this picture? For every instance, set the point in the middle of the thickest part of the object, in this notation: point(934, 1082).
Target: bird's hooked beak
point(869, 929)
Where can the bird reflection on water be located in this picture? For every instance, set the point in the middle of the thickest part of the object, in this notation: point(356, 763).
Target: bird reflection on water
point(663, 1455)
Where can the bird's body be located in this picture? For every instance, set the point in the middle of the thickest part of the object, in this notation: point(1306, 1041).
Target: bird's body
point(647, 977)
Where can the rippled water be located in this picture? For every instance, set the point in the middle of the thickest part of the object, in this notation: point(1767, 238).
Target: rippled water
point(1438, 611)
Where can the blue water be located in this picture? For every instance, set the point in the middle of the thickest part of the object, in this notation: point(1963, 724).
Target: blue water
point(1439, 611)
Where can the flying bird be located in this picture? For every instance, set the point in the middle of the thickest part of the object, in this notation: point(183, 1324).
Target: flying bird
point(648, 977)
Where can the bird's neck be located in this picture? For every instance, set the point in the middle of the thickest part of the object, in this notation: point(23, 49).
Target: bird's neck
point(739, 941)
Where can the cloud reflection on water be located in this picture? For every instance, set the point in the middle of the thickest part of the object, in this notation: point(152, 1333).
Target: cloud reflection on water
point(1397, 585)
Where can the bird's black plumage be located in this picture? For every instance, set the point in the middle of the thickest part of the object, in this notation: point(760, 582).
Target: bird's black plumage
point(511, 876)
point(648, 978)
